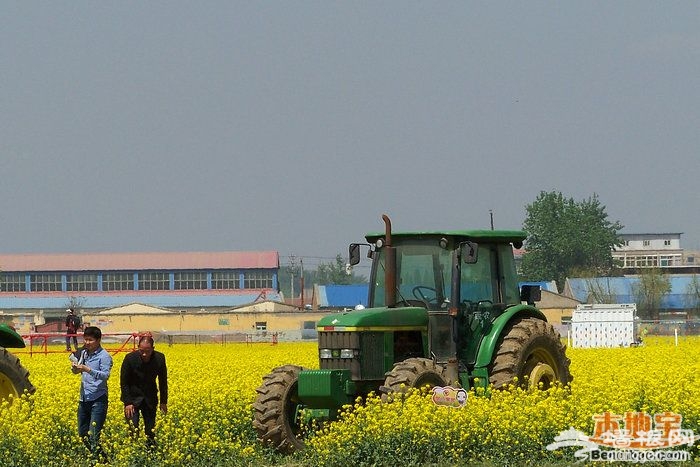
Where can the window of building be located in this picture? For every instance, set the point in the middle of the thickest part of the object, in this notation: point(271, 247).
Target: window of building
point(647, 261)
point(669, 260)
point(154, 281)
point(257, 280)
point(12, 283)
point(225, 280)
point(45, 282)
point(261, 325)
point(667, 242)
point(190, 280)
point(309, 324)
point(690, 259)
point(81, 282)
point(645, 243)
point(117, 281)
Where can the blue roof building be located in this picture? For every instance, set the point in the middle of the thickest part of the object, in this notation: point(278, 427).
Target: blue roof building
point(349, 296)
point(341, 296)
point(682, 297)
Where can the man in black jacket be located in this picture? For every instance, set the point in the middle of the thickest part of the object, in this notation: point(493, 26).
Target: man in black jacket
point(72, 327)
point(138, 384)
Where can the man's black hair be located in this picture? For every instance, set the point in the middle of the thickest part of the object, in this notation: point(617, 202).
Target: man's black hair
point(146, 338)
point(93, 331)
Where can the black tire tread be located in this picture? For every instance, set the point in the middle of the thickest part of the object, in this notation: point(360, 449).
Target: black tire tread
point(405, 374)
point(509, 358)
point(11, 367)
point(269, 419)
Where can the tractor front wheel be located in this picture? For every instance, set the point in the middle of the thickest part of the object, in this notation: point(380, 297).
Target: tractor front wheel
point(530, 354)
point(413, 373)
point(14, 378)
point(277, 410)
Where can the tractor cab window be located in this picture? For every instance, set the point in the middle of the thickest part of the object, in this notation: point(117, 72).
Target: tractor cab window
point(478, 279)
point(509, 276)
point(492, 279)
point(423, 275)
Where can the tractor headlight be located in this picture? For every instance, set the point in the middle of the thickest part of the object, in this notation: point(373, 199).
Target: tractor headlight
point(336, 353)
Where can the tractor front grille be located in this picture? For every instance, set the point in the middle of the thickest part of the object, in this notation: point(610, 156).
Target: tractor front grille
point(369, 362)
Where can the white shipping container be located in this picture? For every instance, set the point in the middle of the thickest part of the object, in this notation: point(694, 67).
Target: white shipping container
point(603, 325)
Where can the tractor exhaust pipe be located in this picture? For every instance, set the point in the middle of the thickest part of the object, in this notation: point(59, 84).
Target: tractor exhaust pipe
point(389, 266)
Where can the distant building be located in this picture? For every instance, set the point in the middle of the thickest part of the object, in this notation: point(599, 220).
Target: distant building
point(683, 296)
point(257, 320)
point(557, 308)
point(338, 297)
point(49, 283)
point(646, 250)
point(649, 250)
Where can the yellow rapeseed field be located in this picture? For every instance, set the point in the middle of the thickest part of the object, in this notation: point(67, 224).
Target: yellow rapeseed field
point(212, 388)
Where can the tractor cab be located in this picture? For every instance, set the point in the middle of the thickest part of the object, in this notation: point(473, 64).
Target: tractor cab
point(464, 280)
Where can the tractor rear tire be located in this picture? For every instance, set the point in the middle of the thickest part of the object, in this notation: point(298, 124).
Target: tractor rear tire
point(14, 378)
point(276, 409)
point(412, 373)
point(531, 351)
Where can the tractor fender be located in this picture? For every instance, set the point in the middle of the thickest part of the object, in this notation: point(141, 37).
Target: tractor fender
point(489, 341)
point(9, 338)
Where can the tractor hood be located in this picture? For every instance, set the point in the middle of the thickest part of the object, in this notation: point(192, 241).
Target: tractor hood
point(375, 318)
point(9, 337)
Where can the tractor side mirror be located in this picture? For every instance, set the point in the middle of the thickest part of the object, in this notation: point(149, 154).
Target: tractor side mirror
point(469, 252)
point(530, 294)
point(354, 254)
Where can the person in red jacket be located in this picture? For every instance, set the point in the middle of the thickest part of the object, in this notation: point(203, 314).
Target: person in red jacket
point(139, 371)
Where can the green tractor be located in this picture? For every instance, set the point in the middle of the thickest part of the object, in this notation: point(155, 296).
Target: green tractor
point(444, 309)
point(14, 378)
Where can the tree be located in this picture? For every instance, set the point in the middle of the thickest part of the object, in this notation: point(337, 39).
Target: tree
point(693, 295)
point(335, 273)
point(649, 291)
point(294, 270)
point(289, 276)
point(76, 303)
point(565, 237)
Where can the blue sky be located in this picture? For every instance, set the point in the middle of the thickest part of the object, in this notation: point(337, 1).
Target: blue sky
point(292, 126)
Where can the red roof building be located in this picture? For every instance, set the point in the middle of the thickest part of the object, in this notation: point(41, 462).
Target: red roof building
point(194, 280)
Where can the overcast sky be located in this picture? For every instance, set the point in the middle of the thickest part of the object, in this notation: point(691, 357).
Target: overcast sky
point(292, 126)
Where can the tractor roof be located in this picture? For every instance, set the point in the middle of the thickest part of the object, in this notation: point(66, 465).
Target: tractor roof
point(488, 236)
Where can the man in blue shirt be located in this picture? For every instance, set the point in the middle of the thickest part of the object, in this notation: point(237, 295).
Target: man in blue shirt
point(94, 365)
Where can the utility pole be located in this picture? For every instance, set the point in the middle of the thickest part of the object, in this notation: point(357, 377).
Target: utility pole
point(301, 262)
point(491, 214)
point(291, 269)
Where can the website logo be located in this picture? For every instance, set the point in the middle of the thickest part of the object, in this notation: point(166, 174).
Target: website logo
point(632, 437)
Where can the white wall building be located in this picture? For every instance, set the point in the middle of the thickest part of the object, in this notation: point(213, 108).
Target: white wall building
point(650, 250)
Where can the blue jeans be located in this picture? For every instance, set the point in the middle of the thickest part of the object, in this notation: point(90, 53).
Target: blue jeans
point(91, 419)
